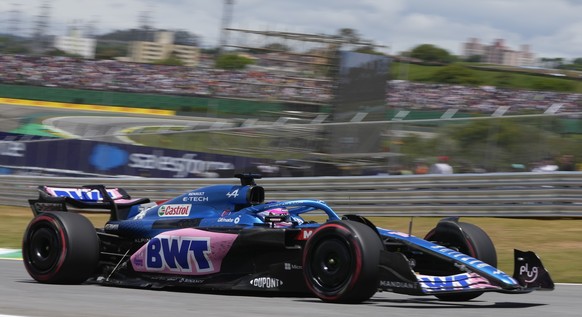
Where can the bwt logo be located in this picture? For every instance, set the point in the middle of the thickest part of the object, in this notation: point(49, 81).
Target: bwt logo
point(174, 210)
point(84, 194)
point(445, 282)
point(179, 254)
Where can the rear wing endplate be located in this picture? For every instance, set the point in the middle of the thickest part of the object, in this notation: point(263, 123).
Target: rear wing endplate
point(54, 198)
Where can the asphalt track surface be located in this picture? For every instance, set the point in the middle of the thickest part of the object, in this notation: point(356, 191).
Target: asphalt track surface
point(103, 126)
point(20, 295)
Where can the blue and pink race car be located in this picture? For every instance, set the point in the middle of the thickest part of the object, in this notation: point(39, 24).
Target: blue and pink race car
point(226, 238)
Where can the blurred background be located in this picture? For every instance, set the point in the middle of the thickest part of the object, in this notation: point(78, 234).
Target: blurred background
point(155, 102)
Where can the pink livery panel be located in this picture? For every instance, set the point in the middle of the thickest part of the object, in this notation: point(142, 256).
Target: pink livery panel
point(184, 251)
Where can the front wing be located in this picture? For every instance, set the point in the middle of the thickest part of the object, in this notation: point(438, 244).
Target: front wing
point(397, 275)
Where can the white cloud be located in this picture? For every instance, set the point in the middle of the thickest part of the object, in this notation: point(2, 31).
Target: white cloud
point(551, 28)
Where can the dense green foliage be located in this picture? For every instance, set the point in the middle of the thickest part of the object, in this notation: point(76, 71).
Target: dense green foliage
point(574, 66)
point(172, 60)
point(232, 61)
point(475, 74)
point(110, 49)
point(58, 52)
point(495, 144)
point(13, 45)
point(432, 54)
point(455, 74)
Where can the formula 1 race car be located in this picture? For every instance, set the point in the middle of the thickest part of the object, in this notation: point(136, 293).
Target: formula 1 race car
point(225, 237)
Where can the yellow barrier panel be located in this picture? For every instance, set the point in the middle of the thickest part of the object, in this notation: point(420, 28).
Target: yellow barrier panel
point(61, 105)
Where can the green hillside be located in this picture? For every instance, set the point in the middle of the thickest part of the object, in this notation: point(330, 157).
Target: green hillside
point(492, 75)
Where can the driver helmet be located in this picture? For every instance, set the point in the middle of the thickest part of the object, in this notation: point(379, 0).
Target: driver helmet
point(277, 212)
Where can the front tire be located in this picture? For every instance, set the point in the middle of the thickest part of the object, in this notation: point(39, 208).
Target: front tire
point(341, 262)
point(60, 248)
point(470, 240)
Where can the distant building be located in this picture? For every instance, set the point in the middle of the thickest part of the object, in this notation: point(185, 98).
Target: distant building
point(498, 53)
point(473, 48)
point(75, 43)
point(162, 48)
point(526, 58)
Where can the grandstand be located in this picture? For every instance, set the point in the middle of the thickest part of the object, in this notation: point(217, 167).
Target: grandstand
point(300, 104)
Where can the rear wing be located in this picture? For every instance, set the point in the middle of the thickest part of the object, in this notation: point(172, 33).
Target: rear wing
point(91, 197)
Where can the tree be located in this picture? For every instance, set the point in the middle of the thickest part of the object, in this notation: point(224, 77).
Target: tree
point(13, 45)
point(368, 49)
point(552, 62)
point(349, 35)
point(58, 52)
point(474, 59)
point(129, 35)
point(431, 53)
point(172, 60)
point(186, 38)
point(232, 61)
point(497, 143)
point(210, 50)
point(110, 49)
point(576, 65)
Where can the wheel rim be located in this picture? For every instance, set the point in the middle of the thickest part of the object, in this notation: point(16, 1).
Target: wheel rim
point(44, 249)
point(332, 265)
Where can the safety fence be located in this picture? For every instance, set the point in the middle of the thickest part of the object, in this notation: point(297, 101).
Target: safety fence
point(557, 195)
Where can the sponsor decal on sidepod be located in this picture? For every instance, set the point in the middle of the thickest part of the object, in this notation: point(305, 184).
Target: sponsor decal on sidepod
point(177, 210)
point(266, 282)
point(184, 251)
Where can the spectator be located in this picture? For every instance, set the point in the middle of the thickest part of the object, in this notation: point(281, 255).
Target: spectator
point(268, 82)
point(442, 166)
point(420, 167)
point(407, 95)
point(109, 75)
point(567, 163)
point(546, 165)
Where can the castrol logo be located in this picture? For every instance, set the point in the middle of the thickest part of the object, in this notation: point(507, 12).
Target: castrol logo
point(174, 210)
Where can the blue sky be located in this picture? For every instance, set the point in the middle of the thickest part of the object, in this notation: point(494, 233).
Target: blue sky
point(553, 28)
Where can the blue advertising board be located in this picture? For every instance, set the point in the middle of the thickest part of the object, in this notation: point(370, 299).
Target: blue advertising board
point(93, 157)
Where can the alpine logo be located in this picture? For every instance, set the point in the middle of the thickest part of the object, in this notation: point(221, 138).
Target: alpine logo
point(174, 210)
point(266, 282)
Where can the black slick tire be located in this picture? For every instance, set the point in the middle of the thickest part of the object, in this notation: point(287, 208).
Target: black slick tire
point(341, 262)
point(60, 248)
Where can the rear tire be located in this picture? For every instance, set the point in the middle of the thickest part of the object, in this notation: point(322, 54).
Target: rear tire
point(341, 262)
point(60, 248)
point(472, 241)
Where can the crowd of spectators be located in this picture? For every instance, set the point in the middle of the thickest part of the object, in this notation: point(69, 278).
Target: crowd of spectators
point(405, 95)
point(204, 80)
point(110, 75)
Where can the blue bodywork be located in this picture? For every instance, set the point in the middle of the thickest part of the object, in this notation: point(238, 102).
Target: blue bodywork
point(240, 207)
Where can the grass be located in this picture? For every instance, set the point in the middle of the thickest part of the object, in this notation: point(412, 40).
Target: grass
point(557, 242)
point(246, 143)
point(490, 75)
point(15, 220)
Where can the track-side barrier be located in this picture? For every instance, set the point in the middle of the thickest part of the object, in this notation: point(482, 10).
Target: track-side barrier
point(557, 194)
